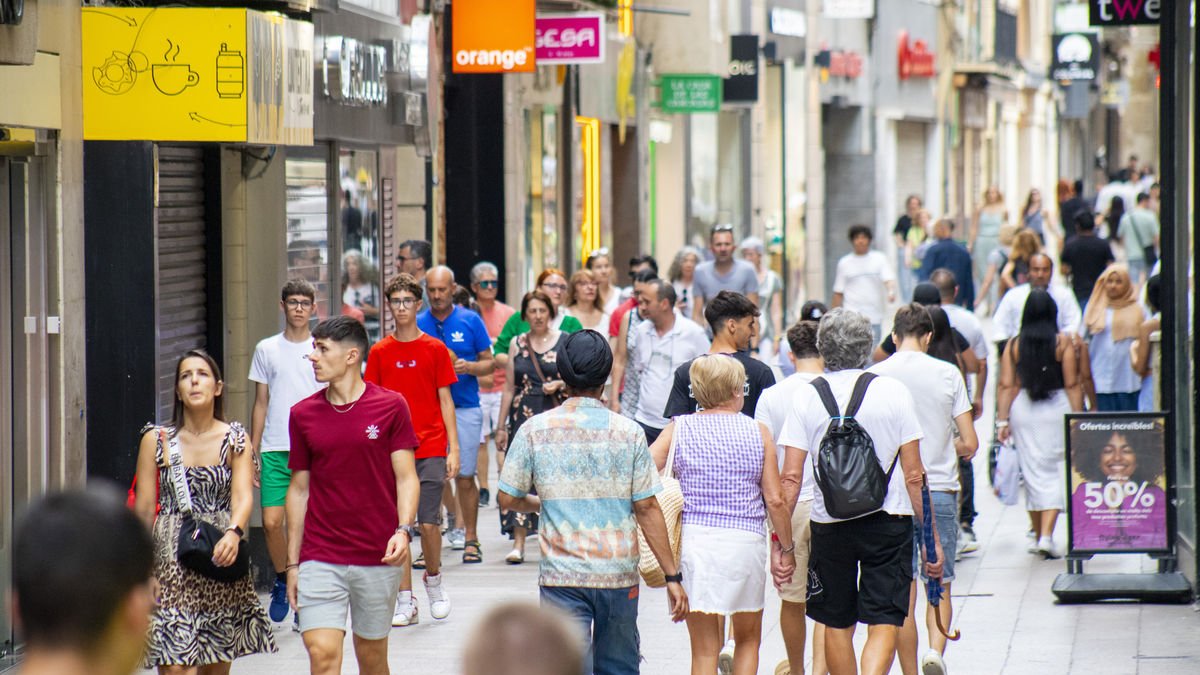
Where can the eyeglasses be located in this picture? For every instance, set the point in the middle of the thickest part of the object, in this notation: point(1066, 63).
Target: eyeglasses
point(489, 283)
point(406, 303)
point(400, 259)
point(557, 287)
point(299, 304)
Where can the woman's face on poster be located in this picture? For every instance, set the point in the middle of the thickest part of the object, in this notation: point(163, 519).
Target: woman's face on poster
point(1118, 460)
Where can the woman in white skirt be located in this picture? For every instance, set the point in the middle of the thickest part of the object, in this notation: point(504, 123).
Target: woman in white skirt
point(1039, 384)
point(726, 466)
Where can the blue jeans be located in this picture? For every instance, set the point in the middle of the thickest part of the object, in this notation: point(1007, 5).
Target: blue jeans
point(609, 617)
point(1117, 402)
point(945, 519)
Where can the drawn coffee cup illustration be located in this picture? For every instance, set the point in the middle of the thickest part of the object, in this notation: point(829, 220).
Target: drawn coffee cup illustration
point(172, 78)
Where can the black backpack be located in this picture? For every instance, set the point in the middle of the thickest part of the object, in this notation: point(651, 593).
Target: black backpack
point(846, 468)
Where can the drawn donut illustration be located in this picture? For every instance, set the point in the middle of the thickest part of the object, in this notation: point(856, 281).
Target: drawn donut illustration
point(118, 73)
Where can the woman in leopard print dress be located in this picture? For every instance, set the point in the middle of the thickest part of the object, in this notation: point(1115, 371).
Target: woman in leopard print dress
point(200, 625)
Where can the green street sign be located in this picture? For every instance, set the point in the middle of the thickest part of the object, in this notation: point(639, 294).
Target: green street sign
point(690, 93)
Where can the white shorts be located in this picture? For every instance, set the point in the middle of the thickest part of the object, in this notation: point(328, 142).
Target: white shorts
point(489, 402)
point(326, 591)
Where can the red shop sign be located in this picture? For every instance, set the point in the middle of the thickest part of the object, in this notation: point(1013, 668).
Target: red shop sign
point(914, 60)
point(839, 63)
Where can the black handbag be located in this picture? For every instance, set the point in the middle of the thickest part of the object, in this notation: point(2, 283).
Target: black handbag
point(197, 538)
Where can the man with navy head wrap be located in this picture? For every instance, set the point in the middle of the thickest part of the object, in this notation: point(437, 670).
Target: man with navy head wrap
point(596, 482)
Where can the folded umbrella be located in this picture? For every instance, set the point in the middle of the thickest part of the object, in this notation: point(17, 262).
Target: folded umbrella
point(933, 587)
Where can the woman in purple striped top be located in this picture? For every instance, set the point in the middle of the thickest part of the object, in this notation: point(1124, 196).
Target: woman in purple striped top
point(725, 463)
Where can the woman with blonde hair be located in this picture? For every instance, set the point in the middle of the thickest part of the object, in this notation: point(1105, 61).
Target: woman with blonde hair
point(985, 228)
point(726, 466)
point(1016, 271)
point(584, 301)
point(1112, 320)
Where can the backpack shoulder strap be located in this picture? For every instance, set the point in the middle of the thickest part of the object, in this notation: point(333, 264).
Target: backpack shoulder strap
point(860, 392)
point(826, 394)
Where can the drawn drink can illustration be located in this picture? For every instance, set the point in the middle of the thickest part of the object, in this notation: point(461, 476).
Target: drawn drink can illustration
point(231, 70)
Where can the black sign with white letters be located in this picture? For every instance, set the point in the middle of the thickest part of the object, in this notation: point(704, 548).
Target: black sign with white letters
point(1124, 12)
point(741, 75)
point(1076, 57)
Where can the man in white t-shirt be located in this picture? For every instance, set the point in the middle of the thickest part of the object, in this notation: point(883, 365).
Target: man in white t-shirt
point(664, 341)
point(939, 395)
point(859, 569)
point(282, 376)
point(773, 408)
point(865, 281)
point(1006, 323)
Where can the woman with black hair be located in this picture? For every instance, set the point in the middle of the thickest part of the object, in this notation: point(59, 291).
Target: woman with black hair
point(942, 345)
point(1039, 383)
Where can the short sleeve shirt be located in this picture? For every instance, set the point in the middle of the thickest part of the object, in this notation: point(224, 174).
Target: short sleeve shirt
point(284, 367)
point(657, 357)
point(466, 335)
point(860, 279)
point(494, 319)
point(774, 406)
point(347, 451)
point(416, 370)
point(886, 414)
point(940, 395)
point(707, 282)
point(681, 402)
point(589, 465)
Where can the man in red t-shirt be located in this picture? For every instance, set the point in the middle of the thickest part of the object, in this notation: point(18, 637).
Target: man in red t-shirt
point(352, 497)
point(418, 367)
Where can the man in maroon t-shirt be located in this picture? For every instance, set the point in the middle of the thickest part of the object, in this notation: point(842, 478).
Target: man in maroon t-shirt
point(351, 500)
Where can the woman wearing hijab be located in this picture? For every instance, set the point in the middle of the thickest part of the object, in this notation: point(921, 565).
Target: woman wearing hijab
point(1111, 323)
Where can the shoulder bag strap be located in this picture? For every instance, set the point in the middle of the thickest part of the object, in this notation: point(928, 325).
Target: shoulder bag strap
point(860, 392)
point(669, 468)
point(537, 366)
point(827, 398)
point(178, 476)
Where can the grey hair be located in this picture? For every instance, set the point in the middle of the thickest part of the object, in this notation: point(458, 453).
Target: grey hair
point(753, 244)
point(481, 267)
point(844, 339)
point(675, 273)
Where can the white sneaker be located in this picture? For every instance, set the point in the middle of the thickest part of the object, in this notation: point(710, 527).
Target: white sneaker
point(932, 664)
point(439, 601)
point(1045, 546)
point(458, 539)
point(406, 615)
point(725, 659)
point(966, 541)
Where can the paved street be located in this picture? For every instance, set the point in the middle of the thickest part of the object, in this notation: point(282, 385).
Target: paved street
point(1002, 603)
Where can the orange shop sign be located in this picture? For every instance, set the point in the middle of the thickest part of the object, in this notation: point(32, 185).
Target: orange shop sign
point(493, 36)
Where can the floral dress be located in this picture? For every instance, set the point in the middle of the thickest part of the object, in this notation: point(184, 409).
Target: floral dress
point(529, 400)
point(200, 620)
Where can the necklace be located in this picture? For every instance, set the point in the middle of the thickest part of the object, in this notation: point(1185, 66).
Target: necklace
point(198, 434)
point(349, 407)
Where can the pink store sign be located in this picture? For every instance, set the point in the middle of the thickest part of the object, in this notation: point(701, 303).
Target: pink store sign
point(570, 38)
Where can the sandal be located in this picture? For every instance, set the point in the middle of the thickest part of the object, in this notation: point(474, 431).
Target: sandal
point(473, 553)
point(419, 563)
point(515, 557)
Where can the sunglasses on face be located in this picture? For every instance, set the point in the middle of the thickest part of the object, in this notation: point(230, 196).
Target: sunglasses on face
point(489, 283)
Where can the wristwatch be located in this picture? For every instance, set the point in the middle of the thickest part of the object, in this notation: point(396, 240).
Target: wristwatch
point(236, 530)
point(673, 578)
point(409, 530)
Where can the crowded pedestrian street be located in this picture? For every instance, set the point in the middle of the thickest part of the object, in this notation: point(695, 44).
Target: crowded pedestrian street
point(599, 337)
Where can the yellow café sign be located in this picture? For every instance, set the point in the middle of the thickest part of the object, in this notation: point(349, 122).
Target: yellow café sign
point(196, 74)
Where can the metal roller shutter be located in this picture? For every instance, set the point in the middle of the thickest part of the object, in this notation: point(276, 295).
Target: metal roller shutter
point(910, 162)
point(181, 289)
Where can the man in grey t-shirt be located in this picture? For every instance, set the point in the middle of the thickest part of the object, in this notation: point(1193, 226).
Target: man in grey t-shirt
point(723, 273)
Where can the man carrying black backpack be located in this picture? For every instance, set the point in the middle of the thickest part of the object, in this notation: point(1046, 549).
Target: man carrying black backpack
point(868, 475)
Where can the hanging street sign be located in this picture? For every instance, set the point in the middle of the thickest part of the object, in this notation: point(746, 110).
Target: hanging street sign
point(690, 93)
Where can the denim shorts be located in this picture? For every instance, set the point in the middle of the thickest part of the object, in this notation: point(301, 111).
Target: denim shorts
point(945, 515)
point(470, 425)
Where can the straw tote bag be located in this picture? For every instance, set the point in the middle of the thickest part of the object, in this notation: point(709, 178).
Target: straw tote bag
point(670, 500)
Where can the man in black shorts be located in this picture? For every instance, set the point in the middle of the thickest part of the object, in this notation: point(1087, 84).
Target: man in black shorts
point(860, 569)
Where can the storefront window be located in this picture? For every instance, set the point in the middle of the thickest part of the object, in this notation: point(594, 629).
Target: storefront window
point(541, 221)
point(358, 226)
point(308, 227)
point(716, 176)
